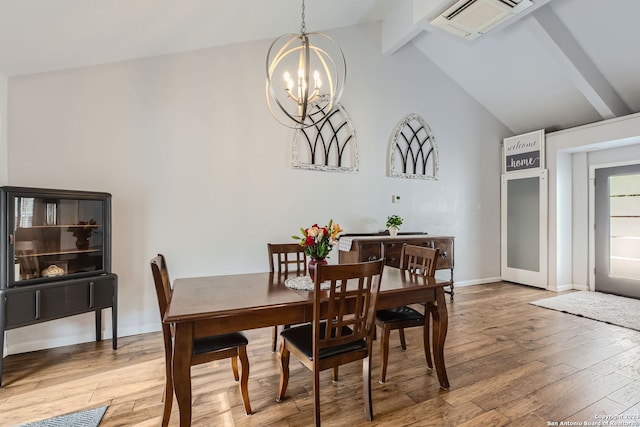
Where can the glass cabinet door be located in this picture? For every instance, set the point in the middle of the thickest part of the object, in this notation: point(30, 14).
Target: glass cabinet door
point(55, 236)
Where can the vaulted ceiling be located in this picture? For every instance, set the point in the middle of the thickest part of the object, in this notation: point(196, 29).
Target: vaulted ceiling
point(557, 64)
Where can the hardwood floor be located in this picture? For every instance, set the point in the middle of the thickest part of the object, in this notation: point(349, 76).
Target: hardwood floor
point(509, 363)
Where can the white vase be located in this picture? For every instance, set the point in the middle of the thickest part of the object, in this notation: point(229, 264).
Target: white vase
point(393, 232)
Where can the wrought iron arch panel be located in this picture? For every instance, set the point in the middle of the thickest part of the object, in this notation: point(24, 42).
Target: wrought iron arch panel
point(326, 145)
point(413, 153)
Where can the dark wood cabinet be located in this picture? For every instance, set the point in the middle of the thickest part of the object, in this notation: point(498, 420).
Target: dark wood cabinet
point(360, 248)
point(55, 257)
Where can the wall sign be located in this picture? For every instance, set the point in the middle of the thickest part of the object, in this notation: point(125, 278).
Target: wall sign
point(524, 151)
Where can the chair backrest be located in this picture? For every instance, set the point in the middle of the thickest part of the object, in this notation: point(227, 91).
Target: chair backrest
point(350, 301)
point(287, 254)
point(419, 259)
point(162, 282)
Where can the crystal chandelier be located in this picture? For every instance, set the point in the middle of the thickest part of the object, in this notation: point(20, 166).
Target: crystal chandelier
point(303, 69)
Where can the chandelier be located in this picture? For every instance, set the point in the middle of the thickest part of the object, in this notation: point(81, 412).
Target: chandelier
point(302, 70)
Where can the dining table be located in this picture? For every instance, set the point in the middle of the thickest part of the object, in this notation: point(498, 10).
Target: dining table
point(210, 305)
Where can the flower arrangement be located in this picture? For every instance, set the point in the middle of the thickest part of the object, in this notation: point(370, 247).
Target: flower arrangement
point(83, 229)
point(394, 221)
point(318, 241)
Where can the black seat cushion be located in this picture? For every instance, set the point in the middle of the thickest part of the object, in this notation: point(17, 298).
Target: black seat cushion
point(302, 338)
point(219, 342)
point(398, 314)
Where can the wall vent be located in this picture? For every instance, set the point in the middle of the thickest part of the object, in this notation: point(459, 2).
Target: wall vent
point(470, 19)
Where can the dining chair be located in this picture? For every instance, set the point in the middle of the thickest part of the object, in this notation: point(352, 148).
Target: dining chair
point(342, 328)
point(286, 255)
point(417, 260)
point(206, 349)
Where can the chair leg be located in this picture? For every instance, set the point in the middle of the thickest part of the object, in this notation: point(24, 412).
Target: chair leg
point(334, 374)
point(384, 352)
point(316, 395)
point(403, 342)
point(167, 398)
point(234, 367)
point(244, 379)
point(366, 387)
point(274, 334)
point(284, 371)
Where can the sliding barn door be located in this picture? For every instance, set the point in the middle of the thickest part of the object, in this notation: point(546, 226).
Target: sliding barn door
point(524, 227)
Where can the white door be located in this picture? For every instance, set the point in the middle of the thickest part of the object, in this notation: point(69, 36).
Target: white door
point(617, 230)
point(523, 230)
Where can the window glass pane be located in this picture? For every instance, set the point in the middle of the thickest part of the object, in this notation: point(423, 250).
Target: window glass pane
point(523, 224)
point(624, 226)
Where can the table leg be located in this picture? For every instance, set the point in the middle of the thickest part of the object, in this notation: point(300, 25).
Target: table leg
point(440, 325)
point(182, 352)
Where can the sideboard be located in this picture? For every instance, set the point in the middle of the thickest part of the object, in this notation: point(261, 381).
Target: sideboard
point(369, 247)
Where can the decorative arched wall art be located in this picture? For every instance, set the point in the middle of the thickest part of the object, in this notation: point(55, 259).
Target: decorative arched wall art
point(412, 153)
point(328, 145)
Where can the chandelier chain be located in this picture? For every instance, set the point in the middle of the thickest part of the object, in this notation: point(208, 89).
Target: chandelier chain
point(303, 27)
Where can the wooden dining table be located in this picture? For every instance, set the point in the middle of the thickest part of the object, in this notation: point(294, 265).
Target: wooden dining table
point(203, 306)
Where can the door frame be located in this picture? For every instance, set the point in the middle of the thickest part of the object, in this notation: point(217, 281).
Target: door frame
point(592, 215)
point(540, 278)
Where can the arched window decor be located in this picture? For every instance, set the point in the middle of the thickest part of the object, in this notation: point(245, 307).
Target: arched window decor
point(327, 145)
point(412, 151)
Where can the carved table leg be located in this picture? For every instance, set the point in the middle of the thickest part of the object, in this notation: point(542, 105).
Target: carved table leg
point(440, 325)
point(182, 351)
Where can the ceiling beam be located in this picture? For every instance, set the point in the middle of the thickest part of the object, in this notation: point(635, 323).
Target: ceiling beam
point(398, 28)
point(554, 36)
point(405, 21)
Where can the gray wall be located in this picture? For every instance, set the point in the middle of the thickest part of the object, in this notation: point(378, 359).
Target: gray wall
point(4, 161)
point(200, 171)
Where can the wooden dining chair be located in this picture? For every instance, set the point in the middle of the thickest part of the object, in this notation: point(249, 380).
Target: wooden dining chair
point(341, 330)
point(206, 349)
point(418, 260)
point(288, 257)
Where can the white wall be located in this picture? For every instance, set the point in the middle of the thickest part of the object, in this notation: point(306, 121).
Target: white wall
point(4, 158)
point(200, 171)
point(568, 191)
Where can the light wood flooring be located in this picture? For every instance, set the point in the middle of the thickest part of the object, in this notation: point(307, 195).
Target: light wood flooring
point(509, 363)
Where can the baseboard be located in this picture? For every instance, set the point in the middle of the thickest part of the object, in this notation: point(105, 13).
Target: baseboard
point(476, 282)
point(36, 345)
point(570, 287)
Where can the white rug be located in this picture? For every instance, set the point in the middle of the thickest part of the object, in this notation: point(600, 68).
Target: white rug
point(597, 306)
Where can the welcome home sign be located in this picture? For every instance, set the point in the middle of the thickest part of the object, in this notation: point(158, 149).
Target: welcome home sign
point(524, 151)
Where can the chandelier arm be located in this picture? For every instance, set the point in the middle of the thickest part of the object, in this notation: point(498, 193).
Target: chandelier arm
point(299, 124)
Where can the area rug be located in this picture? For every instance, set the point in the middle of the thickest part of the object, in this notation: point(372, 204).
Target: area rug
point(606, 308)
point(88, 418)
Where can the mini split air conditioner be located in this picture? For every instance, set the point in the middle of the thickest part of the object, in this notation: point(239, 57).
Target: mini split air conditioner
point(470, 19)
